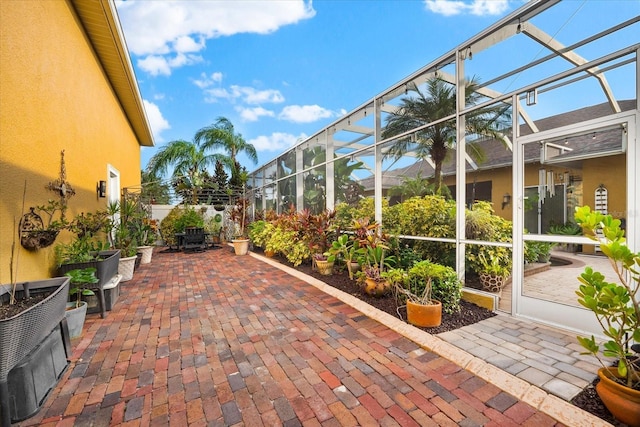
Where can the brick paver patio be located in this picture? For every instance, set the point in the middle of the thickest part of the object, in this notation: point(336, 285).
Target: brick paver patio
point(212, 339)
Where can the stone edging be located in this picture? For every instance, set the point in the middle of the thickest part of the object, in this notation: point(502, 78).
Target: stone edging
point(546, 403)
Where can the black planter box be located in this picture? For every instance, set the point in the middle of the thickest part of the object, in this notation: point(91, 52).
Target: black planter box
point(31, 381)
point(106, 266)
point(22, 335)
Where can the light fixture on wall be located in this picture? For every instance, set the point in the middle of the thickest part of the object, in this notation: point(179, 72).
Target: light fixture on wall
point(506, 200)
point(102, 188)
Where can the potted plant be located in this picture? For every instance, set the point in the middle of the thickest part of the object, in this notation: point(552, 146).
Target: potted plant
point(33, 341)
point(323, 263)
point(494, 267)
point(81, 280)
point(121, 238)
point(567, 229)
point(372, 253)
point(344, 248)
point(36, 233)
point(615, 305)
point(88, 250)
point(415, 289)
point(240, 216)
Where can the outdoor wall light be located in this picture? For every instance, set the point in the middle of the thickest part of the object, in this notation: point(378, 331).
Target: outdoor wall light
point(506, 200)
point(102, 188)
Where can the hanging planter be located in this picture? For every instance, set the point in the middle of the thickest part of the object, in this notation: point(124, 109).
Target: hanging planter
point(33, 233)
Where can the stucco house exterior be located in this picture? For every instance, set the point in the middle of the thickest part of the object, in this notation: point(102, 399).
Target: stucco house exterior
point(67, 84)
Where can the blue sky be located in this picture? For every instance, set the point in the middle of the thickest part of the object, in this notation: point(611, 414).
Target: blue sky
point(281, 70)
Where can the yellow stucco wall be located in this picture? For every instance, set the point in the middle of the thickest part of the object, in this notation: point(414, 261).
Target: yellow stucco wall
point(54, 96)
point(609, 171)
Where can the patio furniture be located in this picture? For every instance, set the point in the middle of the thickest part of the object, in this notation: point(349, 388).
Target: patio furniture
point(194, 239)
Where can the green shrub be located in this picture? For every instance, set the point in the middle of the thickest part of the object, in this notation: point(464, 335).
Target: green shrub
point(446, 287)
point(177, 220)
point(431, 216)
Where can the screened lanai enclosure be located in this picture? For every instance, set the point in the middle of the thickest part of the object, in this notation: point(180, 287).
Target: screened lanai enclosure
point(537, 114)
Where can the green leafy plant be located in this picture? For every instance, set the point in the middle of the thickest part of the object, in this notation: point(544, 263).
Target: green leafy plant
point(49, 211)
point(614, 304)
point(538, 251)
point(426, 282)
point(240, 216)
point(344, 248)
point(79, 279)
point(567, 229)
point(89, 240)
point(495, 261)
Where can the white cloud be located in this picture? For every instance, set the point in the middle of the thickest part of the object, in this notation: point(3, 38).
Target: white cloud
point(475, 7)
point(489, 7)
point(277, 141)
point(245, 94)
point(305, 113)
point(156, 121)
point(172, 27)
point(155, 65)
point(254, 114)
point(206, 81)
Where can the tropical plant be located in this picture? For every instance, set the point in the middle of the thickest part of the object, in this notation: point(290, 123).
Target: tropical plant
point(79, 279)
point(425, 283)
point(494, 260)
point(437, 101)
point(432, 216)
point(614, 304)
point(119, 233)
point(373, 247)
point(344, 248)
point(154, 190)
point(567, 229)
point(537, 251)
point(89, 241)
point(413, 186)
point(240, 216)
point(222, 135)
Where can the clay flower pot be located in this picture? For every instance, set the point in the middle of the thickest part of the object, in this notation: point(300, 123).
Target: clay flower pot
point(324, 267)
point(623, 402)
point(376, 288)
point(241, 246)
point(426, 316)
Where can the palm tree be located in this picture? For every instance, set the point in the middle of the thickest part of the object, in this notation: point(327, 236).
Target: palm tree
point(189, 160)
point(153, 189)
point(438, 100)
point(222, 134)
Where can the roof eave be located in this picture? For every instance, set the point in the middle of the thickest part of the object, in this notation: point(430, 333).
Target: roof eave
point(102, 26)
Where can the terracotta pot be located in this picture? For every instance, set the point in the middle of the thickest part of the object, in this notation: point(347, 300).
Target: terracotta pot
point(241, 246)
point(621, 401)
point(376, 288)
point(324, 267)
point(269, 254)
point(426, 316)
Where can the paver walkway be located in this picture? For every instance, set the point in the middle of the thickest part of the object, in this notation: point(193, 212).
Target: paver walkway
point(216, 339)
